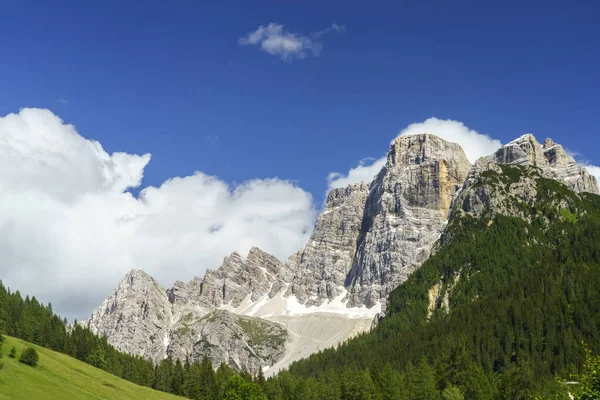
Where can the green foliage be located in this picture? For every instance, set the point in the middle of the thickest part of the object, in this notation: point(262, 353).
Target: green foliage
point(568, 216)
point(452, 393)
point(240, 389)
point(97, 358)
point(29, 356)
point(13, 352)
point(590, 379)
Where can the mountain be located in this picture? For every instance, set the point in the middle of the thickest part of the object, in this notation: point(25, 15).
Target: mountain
point(502, 307)
point(59, 376)
point(368, 240)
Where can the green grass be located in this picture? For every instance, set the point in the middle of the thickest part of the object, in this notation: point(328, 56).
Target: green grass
point(58, 376)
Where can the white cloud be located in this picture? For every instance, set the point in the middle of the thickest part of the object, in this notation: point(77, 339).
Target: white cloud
point(69, 230)
point(363, 172)
point(475, 144)
point(275, 40)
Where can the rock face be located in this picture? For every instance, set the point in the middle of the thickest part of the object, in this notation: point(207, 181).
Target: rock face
point(240, 341)
point(258, 312)
point(551, 158)
point(238, 279)
point(135, 317)
point(141, 317)
point(405, 214)
point(321, 268)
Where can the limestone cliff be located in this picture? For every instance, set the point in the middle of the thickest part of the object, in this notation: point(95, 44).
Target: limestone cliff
point(321, 268)
point(405, 213)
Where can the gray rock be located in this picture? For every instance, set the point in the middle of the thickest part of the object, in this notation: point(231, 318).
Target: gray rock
point(140, 317)
point(135, 318)
point(405, 214)
point(240, 341)
point(238, 278)
point(551, 158)
point(321, 268)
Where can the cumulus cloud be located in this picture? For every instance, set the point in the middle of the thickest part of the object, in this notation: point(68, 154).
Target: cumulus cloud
point(365, 171)
point(275, 40)
point(70, 229)
point(475, 144)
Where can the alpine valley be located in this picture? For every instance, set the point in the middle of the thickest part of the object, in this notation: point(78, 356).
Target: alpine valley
point(431, 242)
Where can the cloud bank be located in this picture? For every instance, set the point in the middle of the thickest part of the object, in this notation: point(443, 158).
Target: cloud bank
point(475, 144)
point(70, 230)
point(277, 41)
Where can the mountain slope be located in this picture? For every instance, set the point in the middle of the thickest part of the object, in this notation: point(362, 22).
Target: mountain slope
point(503, 305)
point(58, 376)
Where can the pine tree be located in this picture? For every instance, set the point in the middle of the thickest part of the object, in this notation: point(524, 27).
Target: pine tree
point(452, 393)
point(425, 384)
point(390, 384)
point(178, 376)
point(29, 357)
point(97, 358)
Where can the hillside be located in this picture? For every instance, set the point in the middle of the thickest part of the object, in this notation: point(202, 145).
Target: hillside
point(58, 376)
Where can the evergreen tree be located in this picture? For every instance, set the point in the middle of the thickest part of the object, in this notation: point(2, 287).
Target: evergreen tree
point(178, 378)
point(13, 352)
point(240, 389)
point(452, 393)
point(97, 358)
point(29, 357)
point(590, 379)
point(425, 382)
point(390, 384)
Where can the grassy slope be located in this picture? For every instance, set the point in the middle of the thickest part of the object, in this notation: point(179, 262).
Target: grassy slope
point(58, 376)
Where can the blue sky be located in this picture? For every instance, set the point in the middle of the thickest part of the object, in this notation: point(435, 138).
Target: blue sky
point(202, 87)
point(162, 79)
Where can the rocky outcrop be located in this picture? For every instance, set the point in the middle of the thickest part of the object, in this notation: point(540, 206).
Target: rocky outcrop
point(238, 279)
point(135, 317)
point(405, 214)
point(321, 268)
point(551, 158)
point(141, 317)
point(240, 341)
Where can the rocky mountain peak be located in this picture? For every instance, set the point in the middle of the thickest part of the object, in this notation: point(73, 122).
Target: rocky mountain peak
point(319, 270)
point(551, 158)
point(405, 213)
point(419, 149)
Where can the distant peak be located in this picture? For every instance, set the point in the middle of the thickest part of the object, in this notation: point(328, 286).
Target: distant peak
point(528, 137)
point(137, 274)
